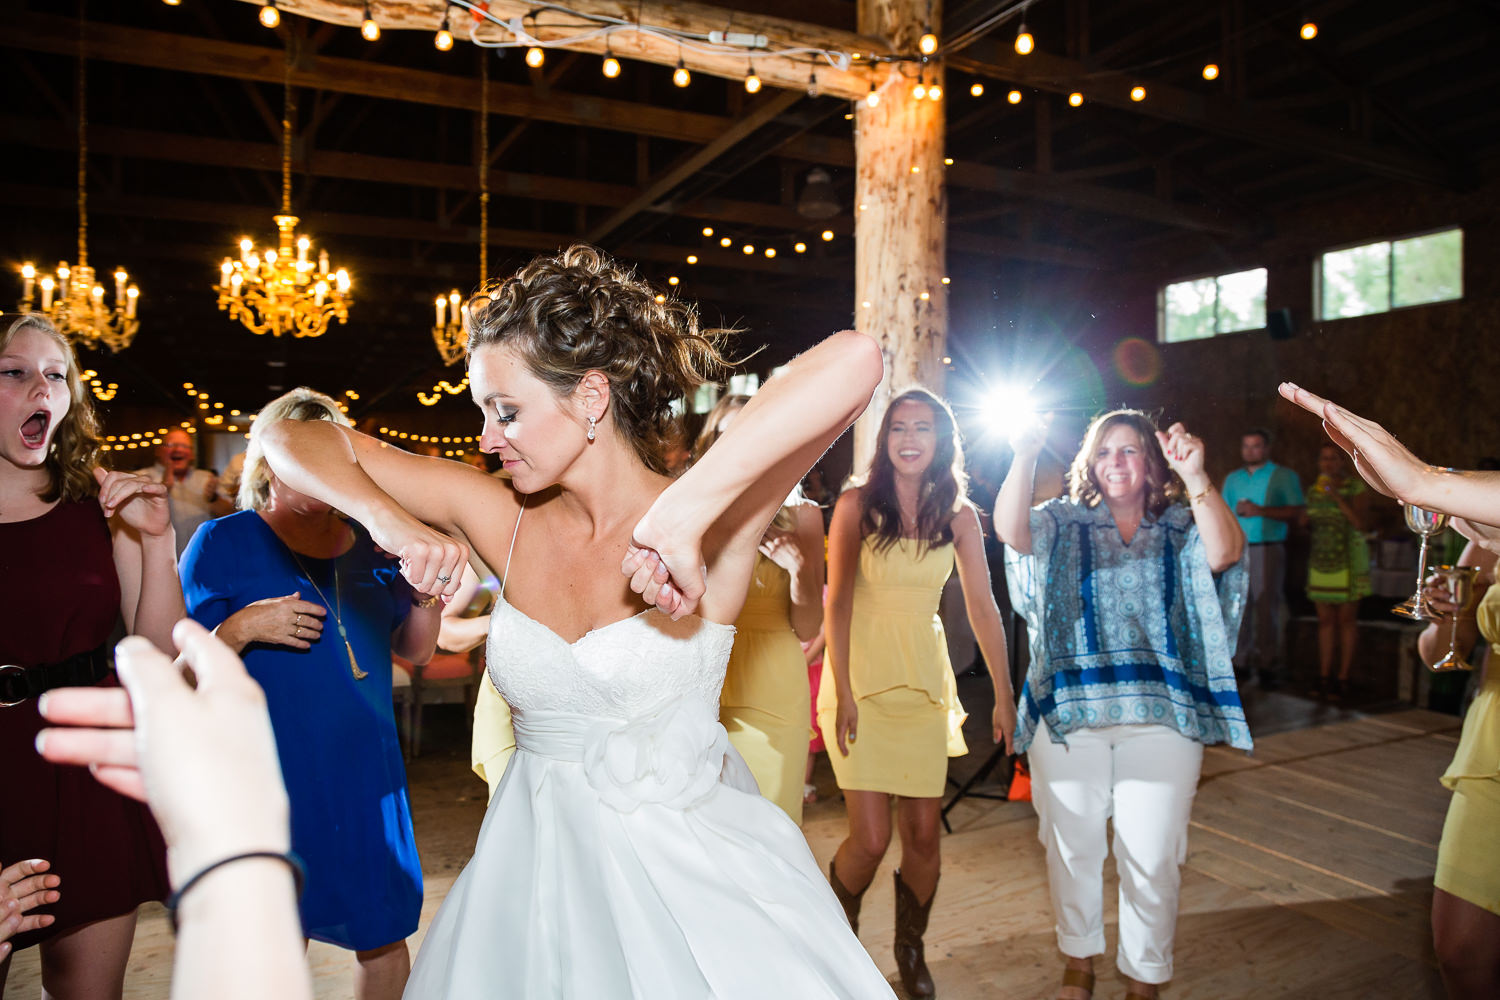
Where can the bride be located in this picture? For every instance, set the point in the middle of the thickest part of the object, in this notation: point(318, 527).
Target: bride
point(625, 853)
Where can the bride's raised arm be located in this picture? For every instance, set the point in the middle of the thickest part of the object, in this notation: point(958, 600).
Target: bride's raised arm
point(389, 491)
point(721, 506)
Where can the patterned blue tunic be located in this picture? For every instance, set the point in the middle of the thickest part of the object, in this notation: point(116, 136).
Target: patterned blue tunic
point(1127, 634)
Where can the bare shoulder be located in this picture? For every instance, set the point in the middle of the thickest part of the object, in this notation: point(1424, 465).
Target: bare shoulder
point(966, 523)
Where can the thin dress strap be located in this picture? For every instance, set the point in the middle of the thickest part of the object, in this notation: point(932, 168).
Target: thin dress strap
point(506, 575)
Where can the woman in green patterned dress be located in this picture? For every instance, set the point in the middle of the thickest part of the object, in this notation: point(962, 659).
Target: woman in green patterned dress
point(1338, 570)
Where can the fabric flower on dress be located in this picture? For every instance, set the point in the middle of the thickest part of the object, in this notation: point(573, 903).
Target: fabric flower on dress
point(672, 757)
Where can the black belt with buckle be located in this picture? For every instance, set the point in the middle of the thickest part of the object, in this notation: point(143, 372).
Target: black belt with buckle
point(81, 670)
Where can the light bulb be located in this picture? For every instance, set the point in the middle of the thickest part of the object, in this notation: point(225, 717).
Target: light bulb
point(692, 258)
point(919, 91)
point(368, 28)
point(680, 76)
point(1211, 71)
point(1309, 31)
point(872, 98)
point(1014, 97)
point(673, 280)
point(1137, 93)
point(1024, 42)
point(752, 83)
point(976, 90)
point(535, 57)
point(934, 93)
point(269, 15)
point(748, 249)
point(827, 235)
point(928, 43)
point(611, 66)
point(1075, 98)
point(770, 251)
point(443, 40)
point(726, 241)
point(800, 247)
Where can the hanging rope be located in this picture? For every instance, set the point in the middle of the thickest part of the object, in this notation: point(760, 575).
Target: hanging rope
point(287, 112)
point(484, 167)
point(83, 151)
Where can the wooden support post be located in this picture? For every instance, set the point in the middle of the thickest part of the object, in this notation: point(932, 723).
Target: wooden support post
point(900, 212)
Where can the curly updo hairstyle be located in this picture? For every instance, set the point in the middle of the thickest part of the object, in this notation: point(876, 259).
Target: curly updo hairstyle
point(580, 311)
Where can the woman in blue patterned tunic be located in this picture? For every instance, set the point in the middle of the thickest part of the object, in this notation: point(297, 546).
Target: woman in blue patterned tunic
point(1132, 601)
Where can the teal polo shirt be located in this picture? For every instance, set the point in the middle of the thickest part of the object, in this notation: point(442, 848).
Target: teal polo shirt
point(1271, 485)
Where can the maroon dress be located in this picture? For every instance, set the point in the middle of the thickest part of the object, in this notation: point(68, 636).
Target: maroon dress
point(61, 596)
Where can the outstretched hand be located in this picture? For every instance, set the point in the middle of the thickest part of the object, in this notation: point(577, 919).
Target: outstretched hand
point(1382, 460)
point(24, 886)
point(204, 759)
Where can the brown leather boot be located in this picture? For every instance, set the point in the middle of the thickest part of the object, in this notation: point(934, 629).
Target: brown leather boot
point(911, 924)
point(849, 900)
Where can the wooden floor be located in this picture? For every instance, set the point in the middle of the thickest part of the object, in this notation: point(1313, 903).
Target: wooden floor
point(1309, 875)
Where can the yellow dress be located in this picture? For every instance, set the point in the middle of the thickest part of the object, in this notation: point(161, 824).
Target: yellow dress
point(910, 719)
point(764, 705)
point(1468, 864)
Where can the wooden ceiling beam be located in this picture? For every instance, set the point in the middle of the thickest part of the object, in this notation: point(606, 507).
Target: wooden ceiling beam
point(988, 57)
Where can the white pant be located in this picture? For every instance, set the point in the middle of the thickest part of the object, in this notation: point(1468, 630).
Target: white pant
point(1145, 776)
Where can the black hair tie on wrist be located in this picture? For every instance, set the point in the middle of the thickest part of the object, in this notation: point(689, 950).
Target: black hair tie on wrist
point(299, 875)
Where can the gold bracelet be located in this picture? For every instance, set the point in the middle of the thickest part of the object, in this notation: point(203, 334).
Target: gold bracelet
point(425, 602)
point(1201, 494)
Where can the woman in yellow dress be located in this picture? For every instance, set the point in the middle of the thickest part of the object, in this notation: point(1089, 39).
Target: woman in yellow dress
point(765, 702)
point(887, 697)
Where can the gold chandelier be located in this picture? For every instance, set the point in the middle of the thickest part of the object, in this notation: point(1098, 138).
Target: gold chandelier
point(450, 333)
point(71, 300)
point(281, 291)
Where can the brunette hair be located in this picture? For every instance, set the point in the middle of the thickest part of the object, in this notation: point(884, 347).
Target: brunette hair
point(1163, 487)
point(299, 404)
point(579, 311)
point(944, 484)
point(75, 444)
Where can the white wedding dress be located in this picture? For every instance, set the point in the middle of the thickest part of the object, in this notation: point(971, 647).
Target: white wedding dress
point(626, 853)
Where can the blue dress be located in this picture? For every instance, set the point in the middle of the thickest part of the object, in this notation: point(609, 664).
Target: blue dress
point(1126, 634)
point(336, 736)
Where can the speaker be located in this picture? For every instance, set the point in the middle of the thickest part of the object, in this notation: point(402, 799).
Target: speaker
point(1279, 324)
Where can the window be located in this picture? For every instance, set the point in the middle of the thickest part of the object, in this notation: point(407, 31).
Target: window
point(1226, 303)
point(1379, 277)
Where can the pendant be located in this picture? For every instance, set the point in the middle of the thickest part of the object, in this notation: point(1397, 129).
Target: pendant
point(359, 674)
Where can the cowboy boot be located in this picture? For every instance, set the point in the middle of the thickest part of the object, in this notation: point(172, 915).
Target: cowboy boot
point(848, 900)
point(911, 924)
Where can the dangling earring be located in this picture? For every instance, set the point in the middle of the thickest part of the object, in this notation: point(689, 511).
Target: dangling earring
point(592, 421)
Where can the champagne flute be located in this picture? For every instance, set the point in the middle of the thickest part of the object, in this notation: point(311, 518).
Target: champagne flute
point(1460, 581)
point(1426, 523)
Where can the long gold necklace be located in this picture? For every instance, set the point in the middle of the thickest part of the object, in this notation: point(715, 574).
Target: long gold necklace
point(338, 619)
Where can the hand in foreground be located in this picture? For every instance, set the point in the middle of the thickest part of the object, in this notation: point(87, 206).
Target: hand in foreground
point(1004, 723)
point(204, 760)
point(845, 724)
point(432, 562)
point(278, 621)
point(23, 887)
point(140, 502)
point(666, 571)
point(1183, 451)
point(1378, 457)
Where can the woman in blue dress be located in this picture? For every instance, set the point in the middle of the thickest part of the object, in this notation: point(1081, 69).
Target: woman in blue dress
point(316, 610)
point(1132, 601)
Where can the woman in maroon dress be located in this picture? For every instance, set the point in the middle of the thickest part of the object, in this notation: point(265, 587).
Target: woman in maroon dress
point(81, 551)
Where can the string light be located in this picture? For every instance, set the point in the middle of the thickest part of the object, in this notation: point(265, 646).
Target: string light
point(752, 82)
point(1014, 97)
point(770, 252)
point(444, 386)
point(827, 235)
point(141, 439)
point(934, 92)
point(674, 280)
point(692, 258)
point(1211, 71)
point(1309, 31)
point(535, 56)
point(611, 65)
point(747, 249)
point(726, 241)
point(413, 437)
point(269, 15)
point(708, 230)
point(1024, 42)
point(976, 89)
point(1137, 93)
point(368, 28)
point(680, 76)
point(443, 40)
point(800, 247)
point(171, 3)
point(872, 98)
point(1075, 98)
point(919, 91)
point(928, 43)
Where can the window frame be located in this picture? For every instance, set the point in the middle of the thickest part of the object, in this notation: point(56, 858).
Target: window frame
point(1390, 287)
point(1161, 304)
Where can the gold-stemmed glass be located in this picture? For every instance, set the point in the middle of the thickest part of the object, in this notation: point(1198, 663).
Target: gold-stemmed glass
point(1426, 523)
point(1460, 581)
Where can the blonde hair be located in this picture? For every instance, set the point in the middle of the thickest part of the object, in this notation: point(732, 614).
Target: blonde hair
point(75, 444)
point(1162, 485)
point(300, 404)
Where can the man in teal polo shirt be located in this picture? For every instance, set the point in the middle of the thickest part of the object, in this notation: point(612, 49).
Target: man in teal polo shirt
point(1266, 497)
